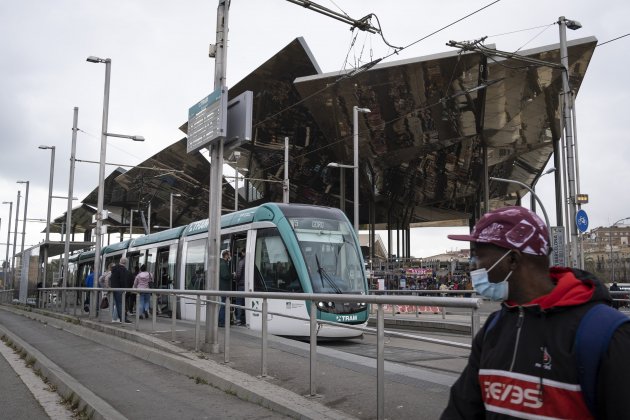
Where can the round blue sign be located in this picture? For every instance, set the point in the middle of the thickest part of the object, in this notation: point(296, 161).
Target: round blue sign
point(581, 220)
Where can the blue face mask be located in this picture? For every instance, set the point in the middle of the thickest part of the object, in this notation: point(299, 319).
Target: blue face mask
point(483, 286)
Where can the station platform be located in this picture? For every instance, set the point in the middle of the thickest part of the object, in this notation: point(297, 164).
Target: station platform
point(121, 372)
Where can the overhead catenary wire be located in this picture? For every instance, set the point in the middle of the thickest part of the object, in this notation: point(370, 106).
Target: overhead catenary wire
point(614, 39)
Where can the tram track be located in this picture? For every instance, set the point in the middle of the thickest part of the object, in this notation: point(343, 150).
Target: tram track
point(409, 352)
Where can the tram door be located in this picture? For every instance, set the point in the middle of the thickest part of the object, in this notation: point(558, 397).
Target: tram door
point(272, 270)
point(163, 276)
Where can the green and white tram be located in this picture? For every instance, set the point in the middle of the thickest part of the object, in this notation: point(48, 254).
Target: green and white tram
point(292, 248)
point(288, 248)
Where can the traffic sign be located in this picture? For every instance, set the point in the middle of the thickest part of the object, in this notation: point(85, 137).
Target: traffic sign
point(581, 220)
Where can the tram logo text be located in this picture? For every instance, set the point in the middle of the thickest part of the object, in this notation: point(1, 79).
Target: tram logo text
point(344, 318)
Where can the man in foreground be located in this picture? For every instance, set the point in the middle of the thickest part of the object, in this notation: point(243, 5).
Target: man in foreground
point(523, 362)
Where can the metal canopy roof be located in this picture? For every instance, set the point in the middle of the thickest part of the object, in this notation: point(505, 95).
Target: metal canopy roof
point(420, 154)
point(420, 145)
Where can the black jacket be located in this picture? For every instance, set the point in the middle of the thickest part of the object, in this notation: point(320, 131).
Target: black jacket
point(528, 347)
point(120, 276)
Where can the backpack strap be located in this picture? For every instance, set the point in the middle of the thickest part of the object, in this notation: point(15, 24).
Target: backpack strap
point(493, 322)
point(591, 342)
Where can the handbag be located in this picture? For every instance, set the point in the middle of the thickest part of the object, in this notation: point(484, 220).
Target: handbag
point(105, 303)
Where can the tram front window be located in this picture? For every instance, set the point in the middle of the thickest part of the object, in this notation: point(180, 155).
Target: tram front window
point(331, 255)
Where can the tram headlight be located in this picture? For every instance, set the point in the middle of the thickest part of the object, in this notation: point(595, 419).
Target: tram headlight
point(331, 305)
point(320, 304)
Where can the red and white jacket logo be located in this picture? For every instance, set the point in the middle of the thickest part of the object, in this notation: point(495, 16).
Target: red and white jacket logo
point(519, 395)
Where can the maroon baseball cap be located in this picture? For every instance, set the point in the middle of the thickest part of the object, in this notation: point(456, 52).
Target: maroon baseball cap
point(511, 228)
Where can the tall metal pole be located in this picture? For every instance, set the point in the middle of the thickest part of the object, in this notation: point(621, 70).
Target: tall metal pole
point(285, 184)
point(236, 189)
point(170, 217)
point(66, 249)
point(131, 222)
point(355, 118)
point(50, 186)
point(215, 188)
point(568, 128)
point(17, 213)
point(7, 264)
point(24, 220)
point(342, 189)
point(355, 146)
point(101, 178)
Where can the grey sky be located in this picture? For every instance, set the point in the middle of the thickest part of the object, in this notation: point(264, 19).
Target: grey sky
point(160, 67)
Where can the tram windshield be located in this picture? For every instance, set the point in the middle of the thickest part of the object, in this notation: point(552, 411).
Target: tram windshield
point(331, 255)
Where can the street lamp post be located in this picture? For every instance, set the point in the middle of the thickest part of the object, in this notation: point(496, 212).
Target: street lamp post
point(50, 185)
point(6, 258)
point(131, 212)
point(571, 146)
point(355, 118)
point(17, 213)
point(342, 183)
point(24, 221)
point(532, 204)
point(542, 207)
point(66, 249)
point(101, 172)
point(612, 261)
point(170, 220)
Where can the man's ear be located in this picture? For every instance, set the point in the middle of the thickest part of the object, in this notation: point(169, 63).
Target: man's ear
point(515, 258)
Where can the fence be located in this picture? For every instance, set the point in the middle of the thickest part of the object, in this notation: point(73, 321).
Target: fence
point(70, 300)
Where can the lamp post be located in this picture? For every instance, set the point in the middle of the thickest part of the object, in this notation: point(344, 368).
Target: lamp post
point(532, 204)
point(66, 248)
point(50, 185)
point(571, 167)
point(17, 213)
point(342, 183)
point(6, 258)
point(612, 261)
point(24, 221)
point(101, 172)
point(170, 220)
point(131, 212)
point(355, 118)
point(542, 207)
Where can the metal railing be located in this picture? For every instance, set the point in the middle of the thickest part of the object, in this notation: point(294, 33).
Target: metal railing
point(73, 297)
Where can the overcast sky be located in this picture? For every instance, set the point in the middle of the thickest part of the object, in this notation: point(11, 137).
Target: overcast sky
point(160, 67)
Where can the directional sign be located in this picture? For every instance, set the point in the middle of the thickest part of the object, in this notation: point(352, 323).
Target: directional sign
point(581, 220)
point(207, 120)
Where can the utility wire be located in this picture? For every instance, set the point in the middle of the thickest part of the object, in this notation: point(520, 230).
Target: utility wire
point(614, 39)
point(519, 30)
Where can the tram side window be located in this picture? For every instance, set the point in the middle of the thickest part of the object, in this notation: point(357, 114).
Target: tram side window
point(274, 269)
point(195, 271)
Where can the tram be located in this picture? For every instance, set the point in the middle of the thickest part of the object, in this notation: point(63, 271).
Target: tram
point(292, 248)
